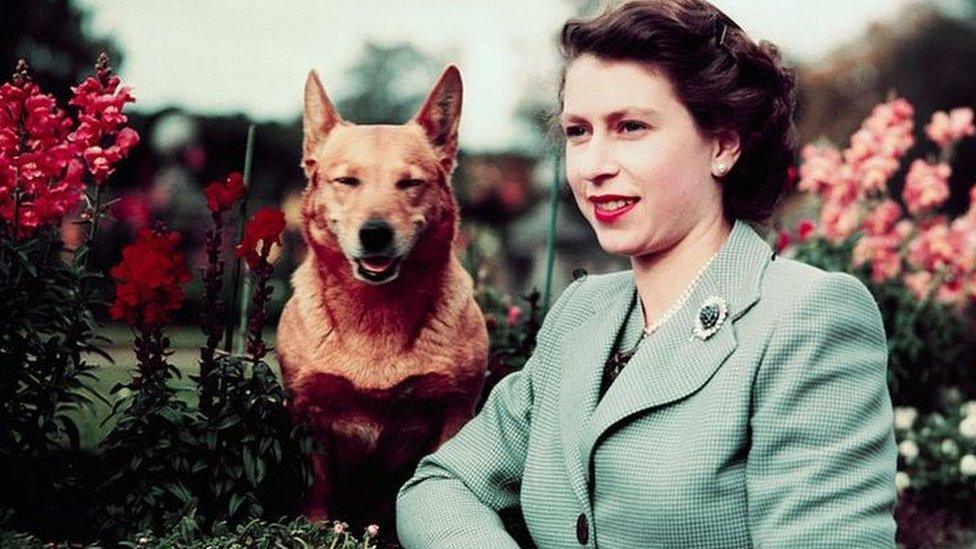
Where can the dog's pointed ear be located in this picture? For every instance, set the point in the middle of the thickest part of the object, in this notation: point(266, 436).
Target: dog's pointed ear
point(319, 118)
point(441, 115)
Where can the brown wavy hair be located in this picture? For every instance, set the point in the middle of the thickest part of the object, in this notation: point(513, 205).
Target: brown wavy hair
point(732, 84)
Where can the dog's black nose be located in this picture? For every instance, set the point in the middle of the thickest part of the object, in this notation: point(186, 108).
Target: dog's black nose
point(376, 236)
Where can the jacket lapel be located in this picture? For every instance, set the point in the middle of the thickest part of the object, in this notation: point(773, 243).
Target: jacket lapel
point(584, 351)
point(670, 365)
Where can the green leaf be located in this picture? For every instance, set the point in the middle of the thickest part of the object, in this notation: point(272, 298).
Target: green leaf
point(72, 431)
point(249, 468)
point(94, 392)
point(228, 422)
point(235, 503)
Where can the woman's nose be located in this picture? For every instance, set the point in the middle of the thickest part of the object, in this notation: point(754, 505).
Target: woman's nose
point(598, 161)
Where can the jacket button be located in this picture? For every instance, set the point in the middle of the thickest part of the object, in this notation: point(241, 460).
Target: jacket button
point(582, 529)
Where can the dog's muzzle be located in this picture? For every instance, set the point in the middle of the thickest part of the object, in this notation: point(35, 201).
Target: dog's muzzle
point(379, 261)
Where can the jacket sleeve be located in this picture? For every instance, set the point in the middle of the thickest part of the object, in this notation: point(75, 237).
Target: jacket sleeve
point(454, 496)
point(820, 470)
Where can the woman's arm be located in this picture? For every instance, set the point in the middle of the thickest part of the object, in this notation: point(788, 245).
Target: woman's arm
point(820, 471)
point(455, 495)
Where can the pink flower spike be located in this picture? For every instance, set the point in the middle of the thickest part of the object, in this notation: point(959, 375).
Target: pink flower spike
point(947, 128)
point(926, 186)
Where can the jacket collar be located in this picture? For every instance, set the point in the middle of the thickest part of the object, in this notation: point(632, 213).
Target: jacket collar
point(668, 366)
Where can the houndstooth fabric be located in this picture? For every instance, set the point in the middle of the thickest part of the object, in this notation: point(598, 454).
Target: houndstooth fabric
point(775, 431)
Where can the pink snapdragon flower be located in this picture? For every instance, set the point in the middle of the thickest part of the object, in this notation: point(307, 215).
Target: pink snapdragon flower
point(947, 128)
point(926, 186)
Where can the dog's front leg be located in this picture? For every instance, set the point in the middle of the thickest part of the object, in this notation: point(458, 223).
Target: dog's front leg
point(456, 415)
point(317, 503)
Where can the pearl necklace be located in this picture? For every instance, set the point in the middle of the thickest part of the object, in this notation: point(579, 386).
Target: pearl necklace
point(648, 330)
point(619, 359)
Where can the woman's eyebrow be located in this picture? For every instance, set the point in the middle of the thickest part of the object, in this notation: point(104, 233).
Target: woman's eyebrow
point(566, 118)
point(620, 113)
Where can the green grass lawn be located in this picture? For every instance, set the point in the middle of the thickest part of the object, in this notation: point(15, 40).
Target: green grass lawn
point(185, 343)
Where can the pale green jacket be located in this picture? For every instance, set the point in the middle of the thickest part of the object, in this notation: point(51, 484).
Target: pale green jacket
point(775, 431)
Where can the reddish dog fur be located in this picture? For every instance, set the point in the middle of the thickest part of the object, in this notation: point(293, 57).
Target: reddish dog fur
point(385, 357)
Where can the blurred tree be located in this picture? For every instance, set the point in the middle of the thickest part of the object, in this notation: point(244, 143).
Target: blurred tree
point(583, 8)
point(51, 35)
point(925, 56)
point(388, 84)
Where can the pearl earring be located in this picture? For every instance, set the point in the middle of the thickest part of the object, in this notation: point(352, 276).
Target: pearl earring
point(720, 168)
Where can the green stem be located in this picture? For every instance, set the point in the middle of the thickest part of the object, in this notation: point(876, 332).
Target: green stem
point(90, 241)
point(551, 237)
point(16, 229)
point(242, 318)
point(16, 211)
point(248, 155)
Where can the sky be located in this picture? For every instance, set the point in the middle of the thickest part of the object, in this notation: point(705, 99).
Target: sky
point(252, 56)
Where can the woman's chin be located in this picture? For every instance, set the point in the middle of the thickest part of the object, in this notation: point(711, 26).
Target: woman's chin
point(617, 246)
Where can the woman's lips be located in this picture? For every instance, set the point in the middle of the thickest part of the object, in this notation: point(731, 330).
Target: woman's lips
point(603, 212)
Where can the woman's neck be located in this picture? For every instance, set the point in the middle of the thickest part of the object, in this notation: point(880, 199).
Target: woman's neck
point(662, 277)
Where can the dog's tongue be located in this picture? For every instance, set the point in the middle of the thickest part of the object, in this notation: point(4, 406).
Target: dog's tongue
point(376, 265)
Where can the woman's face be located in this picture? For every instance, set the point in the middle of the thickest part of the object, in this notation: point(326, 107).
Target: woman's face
point(641, 172)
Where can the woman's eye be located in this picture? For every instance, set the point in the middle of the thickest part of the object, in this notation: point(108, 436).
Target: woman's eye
point(574, 131)
point(350, 181)
point(632, 126)
point(408, 183)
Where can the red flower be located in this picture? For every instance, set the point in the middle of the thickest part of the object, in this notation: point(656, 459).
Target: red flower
point(149, 279)
point(221, 196)
point(792, 175)
point(513, 315)
point(805, 229)
point(101, 133)
point(782, 241)
point(35, 157)
point(133, 208)
point(265, 228)
point(44, 153)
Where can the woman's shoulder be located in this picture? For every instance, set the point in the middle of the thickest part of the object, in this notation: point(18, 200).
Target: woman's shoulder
point(787, 280)
point(796, 290)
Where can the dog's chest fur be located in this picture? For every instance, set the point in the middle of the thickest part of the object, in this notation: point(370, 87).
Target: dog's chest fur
point(383, 427)
point(381, 401)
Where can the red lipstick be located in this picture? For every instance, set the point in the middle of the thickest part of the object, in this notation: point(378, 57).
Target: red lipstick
point(607, 215)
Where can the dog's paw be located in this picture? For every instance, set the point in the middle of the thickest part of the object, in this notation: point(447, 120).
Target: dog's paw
point(316, 513)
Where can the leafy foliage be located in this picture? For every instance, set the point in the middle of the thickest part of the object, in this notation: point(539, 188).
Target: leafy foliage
point(46, 329)
point(251, 459)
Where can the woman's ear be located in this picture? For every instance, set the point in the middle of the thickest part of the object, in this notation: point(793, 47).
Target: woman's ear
point(726, 149)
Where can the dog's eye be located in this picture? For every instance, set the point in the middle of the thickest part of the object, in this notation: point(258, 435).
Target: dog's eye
point(351, 181)
point(407, 183)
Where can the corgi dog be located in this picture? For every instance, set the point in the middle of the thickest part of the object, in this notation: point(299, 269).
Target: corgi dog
point(382, 345)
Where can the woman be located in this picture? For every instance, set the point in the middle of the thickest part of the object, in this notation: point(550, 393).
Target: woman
point(713, 396)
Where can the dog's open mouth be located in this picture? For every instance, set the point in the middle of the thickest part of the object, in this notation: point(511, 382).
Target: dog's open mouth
point(378, 268)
